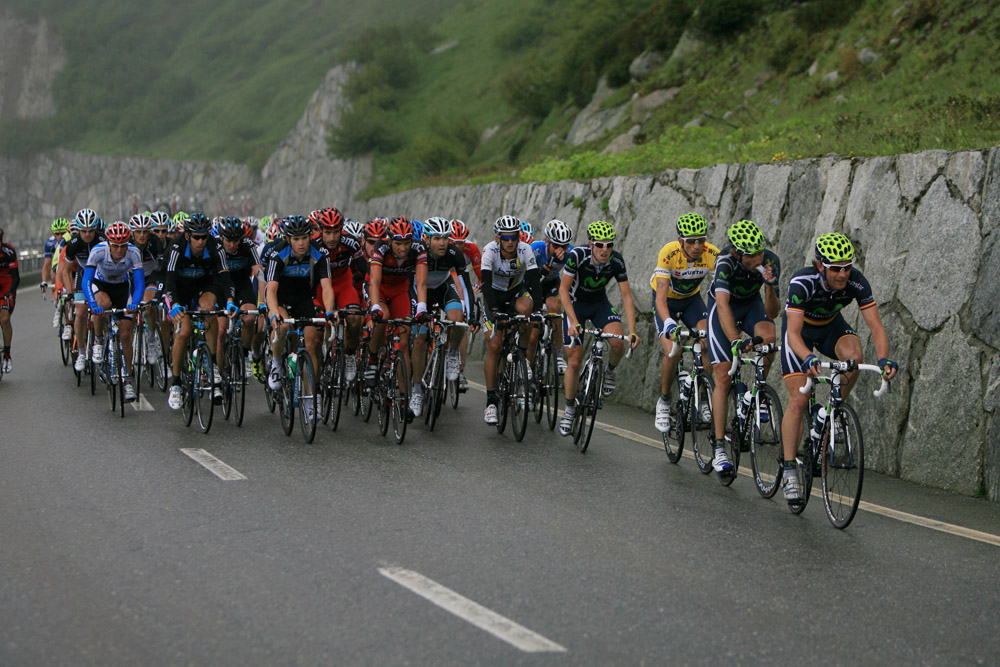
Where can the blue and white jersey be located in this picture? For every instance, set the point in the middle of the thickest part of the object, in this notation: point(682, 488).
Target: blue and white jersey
point(549, 265)
point(110, 270)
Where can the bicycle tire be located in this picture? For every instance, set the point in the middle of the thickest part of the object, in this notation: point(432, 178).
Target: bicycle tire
point(537, 383)
point(205, 387)
point(592, 403)
point(238, 382)
point(270, 395)
point(553, 388)
point(427, 382)
point(502, 387)
point(286, 398)
point(187, 389)
point(843, 466)
point(519, 395)
point(91, 370)
point(227, 393)
point(400, 399)
point(733, 437)
point(65, 346)
point(75, 354)
point(108, 373)
point(138, 356)
point(305, 381)
point(338, 387)
point(158, 367)
point(673, 439)
point(805, 471)
point(383, 395)
point(701, 431)
point(576, 429)
point(435, 392)
point(120, 374)
point(765, 444)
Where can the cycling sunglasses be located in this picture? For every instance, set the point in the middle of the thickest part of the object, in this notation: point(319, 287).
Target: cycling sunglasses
point(603, 244)
point(509, 237)
point(694, 240)
point(838, 268)
point(199, 237)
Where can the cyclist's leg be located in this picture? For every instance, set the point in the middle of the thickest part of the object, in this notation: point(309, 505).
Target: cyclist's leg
point(668, 365)
point(795, 379)
point(846, 347)
point(554, 306)
point(182, 327)
point(279, 333)
point(101, 321)
point(523, 306)
point(207, 301)
point(574, 359)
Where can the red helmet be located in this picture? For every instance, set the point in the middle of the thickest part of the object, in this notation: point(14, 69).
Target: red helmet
point(118, 233)
point(459, 230)
point(400, 229)
point(328, 218)
point(375, 228)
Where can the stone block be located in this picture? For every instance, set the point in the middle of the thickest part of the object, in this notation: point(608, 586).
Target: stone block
point(770, 192)
point(932, 296)
point(917, 171)
point(986, 295)
point(711, 181)
point(943, 443)
point(805, 201)
point(966, 171)
point(641, 106)
point(875, 221)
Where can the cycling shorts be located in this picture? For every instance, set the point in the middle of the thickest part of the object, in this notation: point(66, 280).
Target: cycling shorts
point(399, 300)
point(823, 339)
point(747, 315)
point(690, 311)
point(119, 293)
point(599, 312)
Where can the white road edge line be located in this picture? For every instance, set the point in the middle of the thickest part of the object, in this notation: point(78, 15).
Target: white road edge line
point(906, 517)
point(214, 465)
point(471, 612)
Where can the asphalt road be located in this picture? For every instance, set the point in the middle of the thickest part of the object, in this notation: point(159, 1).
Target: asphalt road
point(461, 547)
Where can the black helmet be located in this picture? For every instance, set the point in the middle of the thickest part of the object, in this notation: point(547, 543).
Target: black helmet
point(198, 223)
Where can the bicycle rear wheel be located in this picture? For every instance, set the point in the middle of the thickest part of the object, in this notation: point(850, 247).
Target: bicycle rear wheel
point(205, 387)
point(336, 391)
point(806, 463)
point(734, 437)
point(518, 395)
point(157, 360)
point(65, 346)
point(843, 465)
point(305, 383)
point(673, 439)
point(187, 389)
point(435, 392)
point(551, 385)
point(400, 404)
point(238, 382)
point(700, 420)
point(765, 444)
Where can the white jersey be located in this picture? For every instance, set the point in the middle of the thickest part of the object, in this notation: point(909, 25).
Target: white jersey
point(109, 270)
point(508, 273)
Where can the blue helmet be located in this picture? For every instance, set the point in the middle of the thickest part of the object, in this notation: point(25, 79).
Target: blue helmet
point(418, 229)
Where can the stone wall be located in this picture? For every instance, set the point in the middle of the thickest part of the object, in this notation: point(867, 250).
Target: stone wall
point(925, 226)
point(30, 56)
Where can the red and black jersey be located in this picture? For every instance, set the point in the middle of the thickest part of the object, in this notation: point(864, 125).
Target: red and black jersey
point(9, 274)
point(343, 255)
point(398, 271)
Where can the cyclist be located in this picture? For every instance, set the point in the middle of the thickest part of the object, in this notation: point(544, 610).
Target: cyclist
point(460, 237)
point(583, 294)
point(159, 223)
point(509, 279)
point(680, 268)
point(527, 232)
point(735, 308)
point(397, 271)
point(343, 250)
point(196, 276)
point(296, 267)
point(60, 233)
point(112, 265)
point(813, 321)
point(10, 278)
point(551, 255)
point(447, 284)
point(152, 250)
point(176, 226)
point(77, 252)
point(354, 229)
point(243, 263)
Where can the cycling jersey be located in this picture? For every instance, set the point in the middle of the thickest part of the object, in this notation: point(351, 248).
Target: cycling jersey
point(241, 262)
point(77, 252)
point(51, 243)
point(397, 271)
point(508, 273)
point(741, 284)
point(189, 275)
point(152, 259)
point(10, 275)
point(112, 275)
point(685, 275)
point(342, 255)
point(590, 280)
point(297, 277)
point(810, 294)
point(475, 257)
point(550, 266)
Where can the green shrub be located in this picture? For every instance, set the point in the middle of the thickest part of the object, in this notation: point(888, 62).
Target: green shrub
point(819, 15)
point(720, 19)
point(363, 128)
point(529, 91)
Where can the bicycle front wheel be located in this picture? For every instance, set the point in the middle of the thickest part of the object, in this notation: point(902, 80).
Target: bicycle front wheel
point(187, 389)
point(735, 437)
point(537, 385)
point(843, 455)
point(65, 345)
point(400, 399)
point(238, 382)
point(286, 398)
point(336, 393)
point(119, 373)
point(435, 391)
point(518, 395)
point(590, 404)
point(700, 420)
point(305, 382)
point(205, 388)
point(765, 443)
point(551, 385)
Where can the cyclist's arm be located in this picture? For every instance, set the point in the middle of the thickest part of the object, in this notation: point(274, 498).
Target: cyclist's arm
point(772, 304)
point(88, 288)
point(329, 298)
point(375, 282)
point(879, 337)
point(662, 288)
point(138, 284)
point(628, 304)
point(489, 296)
point(532, 281)
point(271, 297)
point(47, 269)
point(421, 283)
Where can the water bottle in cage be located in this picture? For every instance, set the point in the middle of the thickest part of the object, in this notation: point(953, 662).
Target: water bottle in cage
point(744, 398)
point(292, 362)
point(816, 429)
point(685, 380)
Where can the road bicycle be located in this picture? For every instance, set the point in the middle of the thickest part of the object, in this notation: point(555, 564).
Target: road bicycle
point(512, 377)
point(234, 371)
point(299, 388)
point(391, 393)
point(113, 373)
point(692, 408)
point(435, 383)
point(336, 387)
point(833, 447)
point(589, 393)
point(546, 383)
point(754, 420)
point(149, 351)
point(198, 372)
point(62, 319)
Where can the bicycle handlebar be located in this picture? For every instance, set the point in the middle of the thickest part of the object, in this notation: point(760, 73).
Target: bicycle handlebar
point(679, 334)
point(734, 368)
point(843, 367)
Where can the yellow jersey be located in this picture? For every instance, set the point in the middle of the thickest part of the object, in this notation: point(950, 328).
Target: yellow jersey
point(685, 275)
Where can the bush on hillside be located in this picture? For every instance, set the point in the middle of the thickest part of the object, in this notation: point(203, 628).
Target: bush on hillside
point(720, 19)
point(363, 128)
point(820, 15)
point(529, 91)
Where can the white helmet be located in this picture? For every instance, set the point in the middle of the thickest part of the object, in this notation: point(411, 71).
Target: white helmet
point(558, 232)
point(437, 227)
point(507, 224)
